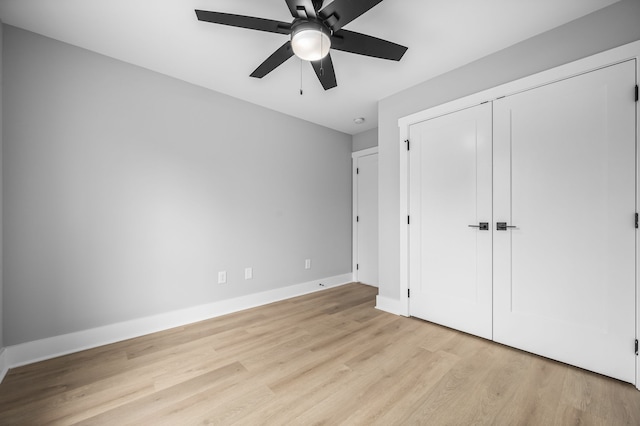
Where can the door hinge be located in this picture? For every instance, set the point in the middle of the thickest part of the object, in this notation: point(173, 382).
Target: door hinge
point(408, 220)
point(357, 171)
point(409, 295)
point(357, 218)
point(636, 346)
point(637, 95)
point(357, 266)
point(636, 220)
point(408, 145)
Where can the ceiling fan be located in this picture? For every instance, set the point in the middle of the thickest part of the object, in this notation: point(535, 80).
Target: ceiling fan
point(313, 32)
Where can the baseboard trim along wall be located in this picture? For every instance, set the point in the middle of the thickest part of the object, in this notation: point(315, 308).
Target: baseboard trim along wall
point(39, 350)
point(4, 367)
point(388, 305)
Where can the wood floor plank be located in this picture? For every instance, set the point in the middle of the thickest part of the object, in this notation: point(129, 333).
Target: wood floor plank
point(536, 400)
point(448, 401)
point(598, 396)
point(137, 409)
point(325, 358)
point(403, 396)
point(366, 388)
point(210, 406)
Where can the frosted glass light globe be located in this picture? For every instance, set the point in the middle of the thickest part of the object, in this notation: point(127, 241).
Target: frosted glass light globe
point(310, 44)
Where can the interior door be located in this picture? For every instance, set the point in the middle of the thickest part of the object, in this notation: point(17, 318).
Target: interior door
point(564, 269)
point(449, 199)
point(367, 219)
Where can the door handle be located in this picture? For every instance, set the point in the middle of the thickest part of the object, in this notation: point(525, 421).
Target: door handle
point(502, 226)
point(483, 226)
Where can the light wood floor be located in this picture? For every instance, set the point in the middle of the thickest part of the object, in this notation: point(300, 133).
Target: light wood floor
point(325, 358)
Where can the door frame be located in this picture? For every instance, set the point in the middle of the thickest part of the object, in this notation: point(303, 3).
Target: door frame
point(600, 60)
point(354, 210)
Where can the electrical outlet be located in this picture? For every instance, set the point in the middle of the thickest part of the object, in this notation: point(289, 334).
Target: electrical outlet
point(222, 277)
point(248, 273)
point(307, 264)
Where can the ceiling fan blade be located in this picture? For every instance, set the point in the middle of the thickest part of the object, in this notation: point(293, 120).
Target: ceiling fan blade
point(341, 12)
point(242, 21)
point(362, 44)
point(301, 9)
point(276, 59)
point(326, 73)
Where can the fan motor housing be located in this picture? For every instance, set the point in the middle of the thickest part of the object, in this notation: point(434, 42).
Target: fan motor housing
point(300, 25)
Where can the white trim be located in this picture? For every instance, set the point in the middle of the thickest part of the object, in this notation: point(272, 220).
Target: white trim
point(386, 304)
point(600, 60)
point(404, 226)
point(637, 239)
point(619, 54)
point(364, 152)
point(355, 156)
point(39, 350)
point(4, 367)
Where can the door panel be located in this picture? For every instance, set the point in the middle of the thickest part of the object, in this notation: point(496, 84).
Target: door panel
point(450, 189)
point(564, 276)
point(367, 252)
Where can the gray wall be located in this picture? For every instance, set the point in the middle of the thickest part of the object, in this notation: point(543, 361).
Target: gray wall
point(126, 191)
point(364, 140)
point(613, 26)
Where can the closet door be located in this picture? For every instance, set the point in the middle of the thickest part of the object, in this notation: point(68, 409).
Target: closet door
point(564, 268)
point(450, 197)
point(367, 222)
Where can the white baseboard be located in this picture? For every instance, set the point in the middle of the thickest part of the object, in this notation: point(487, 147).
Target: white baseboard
point(388, 305)
point(39, 350)
point(4, 366)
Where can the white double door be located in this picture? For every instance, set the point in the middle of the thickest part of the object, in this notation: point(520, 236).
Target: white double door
point(552, 173)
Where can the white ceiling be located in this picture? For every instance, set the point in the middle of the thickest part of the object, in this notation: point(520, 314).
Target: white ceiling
point(165, 36)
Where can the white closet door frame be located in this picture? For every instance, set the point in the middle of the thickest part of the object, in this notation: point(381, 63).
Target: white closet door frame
point(354, 179)
point(600, 60)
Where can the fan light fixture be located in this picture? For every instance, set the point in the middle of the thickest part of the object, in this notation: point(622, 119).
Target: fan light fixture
point(311, 34)
point(310, 41)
